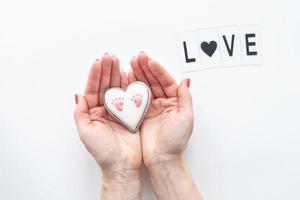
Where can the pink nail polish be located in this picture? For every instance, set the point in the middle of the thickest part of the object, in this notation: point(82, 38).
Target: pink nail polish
point(76, 98)
point(188, 82)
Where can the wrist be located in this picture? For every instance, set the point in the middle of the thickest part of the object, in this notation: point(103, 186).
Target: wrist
point(172, 180)
point(121, 184)
point(164, 169)
point(120, 176)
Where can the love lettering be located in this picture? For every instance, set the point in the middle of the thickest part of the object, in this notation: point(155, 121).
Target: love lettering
point(218, 47)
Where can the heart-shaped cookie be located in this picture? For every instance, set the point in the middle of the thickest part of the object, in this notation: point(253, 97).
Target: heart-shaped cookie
point(129, 106)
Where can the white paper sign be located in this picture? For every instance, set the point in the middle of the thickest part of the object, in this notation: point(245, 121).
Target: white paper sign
point(219, 47)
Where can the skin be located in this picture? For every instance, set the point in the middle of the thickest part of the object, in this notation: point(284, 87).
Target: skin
point(160, 141)
point(165, 130)
point(116, 150)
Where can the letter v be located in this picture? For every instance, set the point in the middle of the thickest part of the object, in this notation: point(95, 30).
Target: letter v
point(229, 49)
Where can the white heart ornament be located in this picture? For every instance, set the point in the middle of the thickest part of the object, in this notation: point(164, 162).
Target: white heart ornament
point(129, 106)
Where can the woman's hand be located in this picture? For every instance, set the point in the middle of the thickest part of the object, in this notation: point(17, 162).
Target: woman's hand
point(115, 149)
point(165, 130)
point(169, 122)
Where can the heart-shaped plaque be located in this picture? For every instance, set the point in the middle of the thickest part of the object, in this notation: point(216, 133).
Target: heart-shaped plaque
point(128, 106)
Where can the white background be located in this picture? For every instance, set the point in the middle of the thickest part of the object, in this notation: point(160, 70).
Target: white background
point(246, 140)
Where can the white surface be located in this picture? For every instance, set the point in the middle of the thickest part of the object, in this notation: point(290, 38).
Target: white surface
point(246, 138)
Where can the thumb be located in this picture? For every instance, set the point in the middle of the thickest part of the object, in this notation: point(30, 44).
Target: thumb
point(81, 114)
point(185, 98)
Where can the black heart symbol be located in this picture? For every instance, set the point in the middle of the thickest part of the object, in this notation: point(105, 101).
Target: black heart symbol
point(209, 48)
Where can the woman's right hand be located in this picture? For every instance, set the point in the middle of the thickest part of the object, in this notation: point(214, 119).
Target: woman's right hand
point(115, 149)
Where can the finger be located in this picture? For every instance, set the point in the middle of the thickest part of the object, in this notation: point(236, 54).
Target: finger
point(164, 78)
point(81, 114)
point(131, 76)
point(115, 73)
point(124, 80)
point(138, 72)
point(185, 104)
point(153, 82)
point(92, 86)
point(105, 76)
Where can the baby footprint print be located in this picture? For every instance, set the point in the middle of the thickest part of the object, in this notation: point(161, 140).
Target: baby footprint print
point(137, 99)
point(118, 102)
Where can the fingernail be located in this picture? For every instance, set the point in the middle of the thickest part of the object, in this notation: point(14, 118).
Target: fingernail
point(106, 53)
point(76, 99)
point(188, 82)
point(97, 59)
point(142, 52)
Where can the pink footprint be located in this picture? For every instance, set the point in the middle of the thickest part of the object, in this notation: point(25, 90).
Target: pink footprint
point(118, 102)
point(138, 99)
